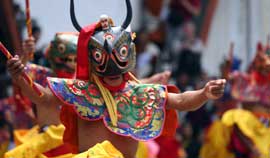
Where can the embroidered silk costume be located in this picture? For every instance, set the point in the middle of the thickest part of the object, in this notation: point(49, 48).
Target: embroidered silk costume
point(140, 107)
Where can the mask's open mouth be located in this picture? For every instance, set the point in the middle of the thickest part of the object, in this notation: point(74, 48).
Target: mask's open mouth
point(114, 77)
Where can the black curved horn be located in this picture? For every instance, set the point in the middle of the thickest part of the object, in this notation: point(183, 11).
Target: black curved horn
point(129, 15)
point(73, 17)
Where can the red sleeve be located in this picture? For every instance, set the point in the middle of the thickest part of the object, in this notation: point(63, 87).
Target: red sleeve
point(171, 121)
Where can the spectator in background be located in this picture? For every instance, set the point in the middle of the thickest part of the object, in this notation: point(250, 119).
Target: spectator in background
point(38, 55)
point(187, 54)
point(181, 11)
point(188, 39)
point(151, 14)
point(147, 53)
point(158, 36)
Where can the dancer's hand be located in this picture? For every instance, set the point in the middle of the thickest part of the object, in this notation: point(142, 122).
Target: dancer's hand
point(214, 89)
point(15, 67)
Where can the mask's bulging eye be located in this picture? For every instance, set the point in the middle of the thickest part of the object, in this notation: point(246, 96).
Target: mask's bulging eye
point(61, 48)
point(97, 55)
point(123, 52)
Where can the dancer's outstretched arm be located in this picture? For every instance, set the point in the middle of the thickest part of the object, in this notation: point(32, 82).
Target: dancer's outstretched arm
point(192, 100)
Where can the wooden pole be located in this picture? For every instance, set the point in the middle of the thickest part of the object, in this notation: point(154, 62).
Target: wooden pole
point(25, 76)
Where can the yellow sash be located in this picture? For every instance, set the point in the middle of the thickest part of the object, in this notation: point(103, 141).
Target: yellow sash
point(38, 144)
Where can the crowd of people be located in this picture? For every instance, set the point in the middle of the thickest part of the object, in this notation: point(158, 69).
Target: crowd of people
point(168, 52)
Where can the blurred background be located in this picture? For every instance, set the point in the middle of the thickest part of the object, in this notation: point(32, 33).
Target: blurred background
point(191, 38)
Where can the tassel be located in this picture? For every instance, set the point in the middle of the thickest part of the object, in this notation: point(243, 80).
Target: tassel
point(133, 77)
point(109, 100)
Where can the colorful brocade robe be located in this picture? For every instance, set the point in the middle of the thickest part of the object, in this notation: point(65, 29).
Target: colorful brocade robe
point(140, 107)
point(38, 73)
